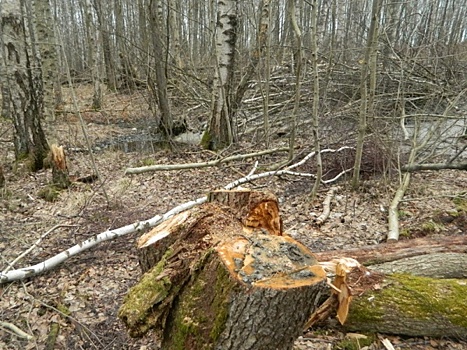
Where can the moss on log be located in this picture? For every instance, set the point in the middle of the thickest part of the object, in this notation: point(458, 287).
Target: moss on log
point(413, 306)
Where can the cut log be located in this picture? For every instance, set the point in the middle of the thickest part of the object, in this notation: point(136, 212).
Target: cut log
point(224, 276)
point(408, 305)
point(395, 296)
point(216, 280)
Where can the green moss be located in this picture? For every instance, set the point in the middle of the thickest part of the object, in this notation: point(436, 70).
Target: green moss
point(204, 306)
point(206, 140)
point(223, 289)
point(461, 203)
point(405, 232)
point(355, 343)
point(418, 298)
point(404, 214)
point(49, 193)
point(449, 295)
point(141, 299)
point(147, 162)
point(432, 227)
point(190, 318)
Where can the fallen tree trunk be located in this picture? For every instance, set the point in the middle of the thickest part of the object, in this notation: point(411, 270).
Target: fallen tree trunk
point(412, 288)
point(222, 276)
point(437, 166)
point(408, 305)
point(387, 252)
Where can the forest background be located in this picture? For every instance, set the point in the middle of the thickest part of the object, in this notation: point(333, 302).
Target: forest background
point(129, 84)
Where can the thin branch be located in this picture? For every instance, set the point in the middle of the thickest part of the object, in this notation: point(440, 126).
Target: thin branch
point(16, 330)
point(202, 164)
point(12, 264)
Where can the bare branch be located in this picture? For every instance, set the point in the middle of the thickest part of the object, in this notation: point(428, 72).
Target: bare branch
point(440, 166)
point(202, 164)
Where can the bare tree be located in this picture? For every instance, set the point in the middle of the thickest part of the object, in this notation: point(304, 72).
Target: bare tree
point(219, 133)
point(48, 52)
point(23, 80)
point(368, 74)
point(166, 120)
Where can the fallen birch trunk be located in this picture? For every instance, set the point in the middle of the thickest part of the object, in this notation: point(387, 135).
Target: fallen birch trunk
point(161, 167)
point(34, 270)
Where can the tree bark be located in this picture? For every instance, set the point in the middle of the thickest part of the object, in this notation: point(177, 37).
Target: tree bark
point(219, 133)
point(23, 82)
point(408, 305)
point(60, 177)
point(387, 252)
point(218, 281)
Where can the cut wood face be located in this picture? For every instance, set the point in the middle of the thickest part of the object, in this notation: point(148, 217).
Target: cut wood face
point(270, 261)
point(265, 216)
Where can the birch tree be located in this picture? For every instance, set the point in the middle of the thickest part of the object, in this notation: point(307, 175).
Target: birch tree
point(219, 132)
point(23, 80)
point(49, 59)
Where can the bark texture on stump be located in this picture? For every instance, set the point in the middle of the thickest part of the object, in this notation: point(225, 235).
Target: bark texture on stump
point(224, 277)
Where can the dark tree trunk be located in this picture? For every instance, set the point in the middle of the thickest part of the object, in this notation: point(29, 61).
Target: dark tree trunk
point(24, 84)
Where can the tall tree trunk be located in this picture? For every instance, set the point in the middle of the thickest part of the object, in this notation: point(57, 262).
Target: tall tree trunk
point(93, 56)
point(315, 112)
point(109, 60)
point(298, 54)
point(166, 120)
point(368, 73)
point(219, 133)
point(23, 80)
point(47, 45)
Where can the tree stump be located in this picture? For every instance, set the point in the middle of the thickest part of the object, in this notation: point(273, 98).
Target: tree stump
point(222, 276)
point(60, 177)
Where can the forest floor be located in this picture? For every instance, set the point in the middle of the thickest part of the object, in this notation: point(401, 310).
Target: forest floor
point(82, 296)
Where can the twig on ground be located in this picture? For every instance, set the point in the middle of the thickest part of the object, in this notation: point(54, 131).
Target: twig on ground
point(12, 264)
point(16, 330)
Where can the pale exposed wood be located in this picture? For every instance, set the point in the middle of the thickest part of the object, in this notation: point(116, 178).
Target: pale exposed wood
point(60, 177)
point(326, 207)
point(255, 210)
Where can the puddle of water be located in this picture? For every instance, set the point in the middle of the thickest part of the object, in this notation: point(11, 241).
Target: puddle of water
point(140, 146)
point(144, 143)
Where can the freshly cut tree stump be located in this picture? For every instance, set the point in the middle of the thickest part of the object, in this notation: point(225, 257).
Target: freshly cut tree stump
point(222, 276)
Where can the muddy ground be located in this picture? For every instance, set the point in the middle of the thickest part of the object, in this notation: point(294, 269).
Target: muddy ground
point(82, 296)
